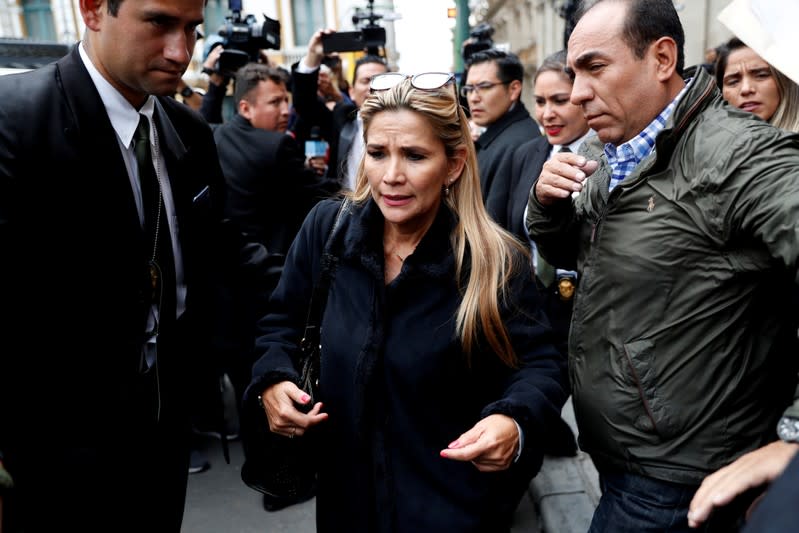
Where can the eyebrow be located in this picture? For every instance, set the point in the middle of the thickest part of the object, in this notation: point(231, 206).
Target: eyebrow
point(586, 58)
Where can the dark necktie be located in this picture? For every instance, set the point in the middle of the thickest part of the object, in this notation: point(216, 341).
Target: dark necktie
point(160, 263)
point(564, 148)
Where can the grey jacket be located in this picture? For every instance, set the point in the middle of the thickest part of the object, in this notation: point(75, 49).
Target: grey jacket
point(682, 350)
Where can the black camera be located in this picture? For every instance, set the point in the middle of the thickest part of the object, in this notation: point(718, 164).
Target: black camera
point(244, 38)
point(373, 36)
point(479, 40)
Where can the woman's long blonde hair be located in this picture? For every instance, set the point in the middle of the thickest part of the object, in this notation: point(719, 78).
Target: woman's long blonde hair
point(493, 252)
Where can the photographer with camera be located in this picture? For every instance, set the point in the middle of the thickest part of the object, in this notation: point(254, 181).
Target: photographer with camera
point(211, 107)
point(341, 126)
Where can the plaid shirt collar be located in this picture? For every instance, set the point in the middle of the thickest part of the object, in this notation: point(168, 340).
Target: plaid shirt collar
point(624, 158)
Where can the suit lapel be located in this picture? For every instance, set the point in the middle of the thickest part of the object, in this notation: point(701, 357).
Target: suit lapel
point(94, 139)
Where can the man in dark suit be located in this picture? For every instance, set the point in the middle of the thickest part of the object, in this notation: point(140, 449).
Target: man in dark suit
point(493, 90)
point(270, 189)
point(269, 192)
point(341, 127)
point(108, 225)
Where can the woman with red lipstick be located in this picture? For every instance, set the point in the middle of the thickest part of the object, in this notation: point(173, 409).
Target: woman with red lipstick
point(438, 377)
point(748, 82)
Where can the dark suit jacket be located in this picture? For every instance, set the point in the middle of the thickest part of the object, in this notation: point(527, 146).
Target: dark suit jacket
point(269, 188)
point(75, 414)
point(331, 123)
point(527, 161)
point(495, 149)
point(269, 194)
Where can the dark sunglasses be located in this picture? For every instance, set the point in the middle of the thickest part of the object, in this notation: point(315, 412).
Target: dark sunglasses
point(426, 81)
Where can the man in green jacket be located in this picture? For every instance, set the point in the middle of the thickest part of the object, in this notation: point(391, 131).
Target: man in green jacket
point(682, 217)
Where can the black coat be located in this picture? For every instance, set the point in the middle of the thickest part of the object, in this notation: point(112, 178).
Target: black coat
point(269, 188)
point(332, 124)
point(269, 193)
point(495, 149)
point(397, 385)
point(77, 424)
point(527, 162)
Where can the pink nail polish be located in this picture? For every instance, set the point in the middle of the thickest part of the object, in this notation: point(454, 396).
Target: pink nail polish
point(305, 398)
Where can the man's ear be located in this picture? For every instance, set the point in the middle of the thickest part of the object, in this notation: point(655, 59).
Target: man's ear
point(664, 52)
point(92, 12)
point(245, 109)
point(515, 88)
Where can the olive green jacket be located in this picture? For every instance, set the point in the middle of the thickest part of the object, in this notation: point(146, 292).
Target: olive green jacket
point(683, 349)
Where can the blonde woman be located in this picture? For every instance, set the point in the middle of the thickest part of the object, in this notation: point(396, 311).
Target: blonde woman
point(438, 376)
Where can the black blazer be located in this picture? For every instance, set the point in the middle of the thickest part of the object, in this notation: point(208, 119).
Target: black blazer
point(495, 149)
point(74, 273)
point(270, 191)
point(314, 112)
point(527, 162)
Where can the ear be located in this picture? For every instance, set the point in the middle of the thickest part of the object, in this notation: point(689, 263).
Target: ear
point(455, 165)
point(92, 12)
point(515, 88)
point(244, 109)
point(664, 54)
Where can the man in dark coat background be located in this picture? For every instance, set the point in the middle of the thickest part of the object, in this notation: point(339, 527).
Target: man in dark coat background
point(493, 90)
point(269, 192)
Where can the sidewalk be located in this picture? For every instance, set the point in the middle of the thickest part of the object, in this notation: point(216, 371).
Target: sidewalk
point(566, 490)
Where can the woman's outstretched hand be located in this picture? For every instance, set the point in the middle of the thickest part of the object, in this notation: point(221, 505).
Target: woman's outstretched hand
point(490, 445)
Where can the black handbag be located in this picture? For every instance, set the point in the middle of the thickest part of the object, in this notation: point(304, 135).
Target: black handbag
point(284, 469)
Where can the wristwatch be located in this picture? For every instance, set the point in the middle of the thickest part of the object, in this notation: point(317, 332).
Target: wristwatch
point(186, 91)
point(788, 429)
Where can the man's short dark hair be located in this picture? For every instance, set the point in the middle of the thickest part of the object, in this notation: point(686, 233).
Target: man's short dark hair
point(646, 22)
point(250, 75)
point(113, 6)
point(509, 67)
point(364, 61)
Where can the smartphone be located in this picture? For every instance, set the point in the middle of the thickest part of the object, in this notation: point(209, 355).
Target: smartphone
point(343, 41)
point(315, 148)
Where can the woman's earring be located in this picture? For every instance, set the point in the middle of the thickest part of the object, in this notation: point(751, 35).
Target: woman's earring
point(446, 189)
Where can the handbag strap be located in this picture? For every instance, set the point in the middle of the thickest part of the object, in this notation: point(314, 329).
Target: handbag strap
point(316, 306)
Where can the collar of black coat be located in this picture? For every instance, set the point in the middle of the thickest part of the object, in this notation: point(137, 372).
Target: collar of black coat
point(363, 243)
point(515, 114)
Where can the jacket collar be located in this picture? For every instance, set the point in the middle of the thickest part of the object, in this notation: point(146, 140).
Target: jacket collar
point(363, 243)
point(515, 114)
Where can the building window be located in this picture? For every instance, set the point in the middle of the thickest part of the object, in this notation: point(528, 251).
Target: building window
point(308, 17)
point(215, 12)
point(38, 20)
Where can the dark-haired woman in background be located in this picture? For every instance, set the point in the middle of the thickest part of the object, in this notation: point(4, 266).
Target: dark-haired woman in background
point(750, 83)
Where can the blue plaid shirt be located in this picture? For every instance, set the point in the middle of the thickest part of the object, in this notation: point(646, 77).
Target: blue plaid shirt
point(624, 158)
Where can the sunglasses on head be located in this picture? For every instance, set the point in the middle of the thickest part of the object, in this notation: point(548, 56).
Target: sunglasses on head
point(426, 81)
